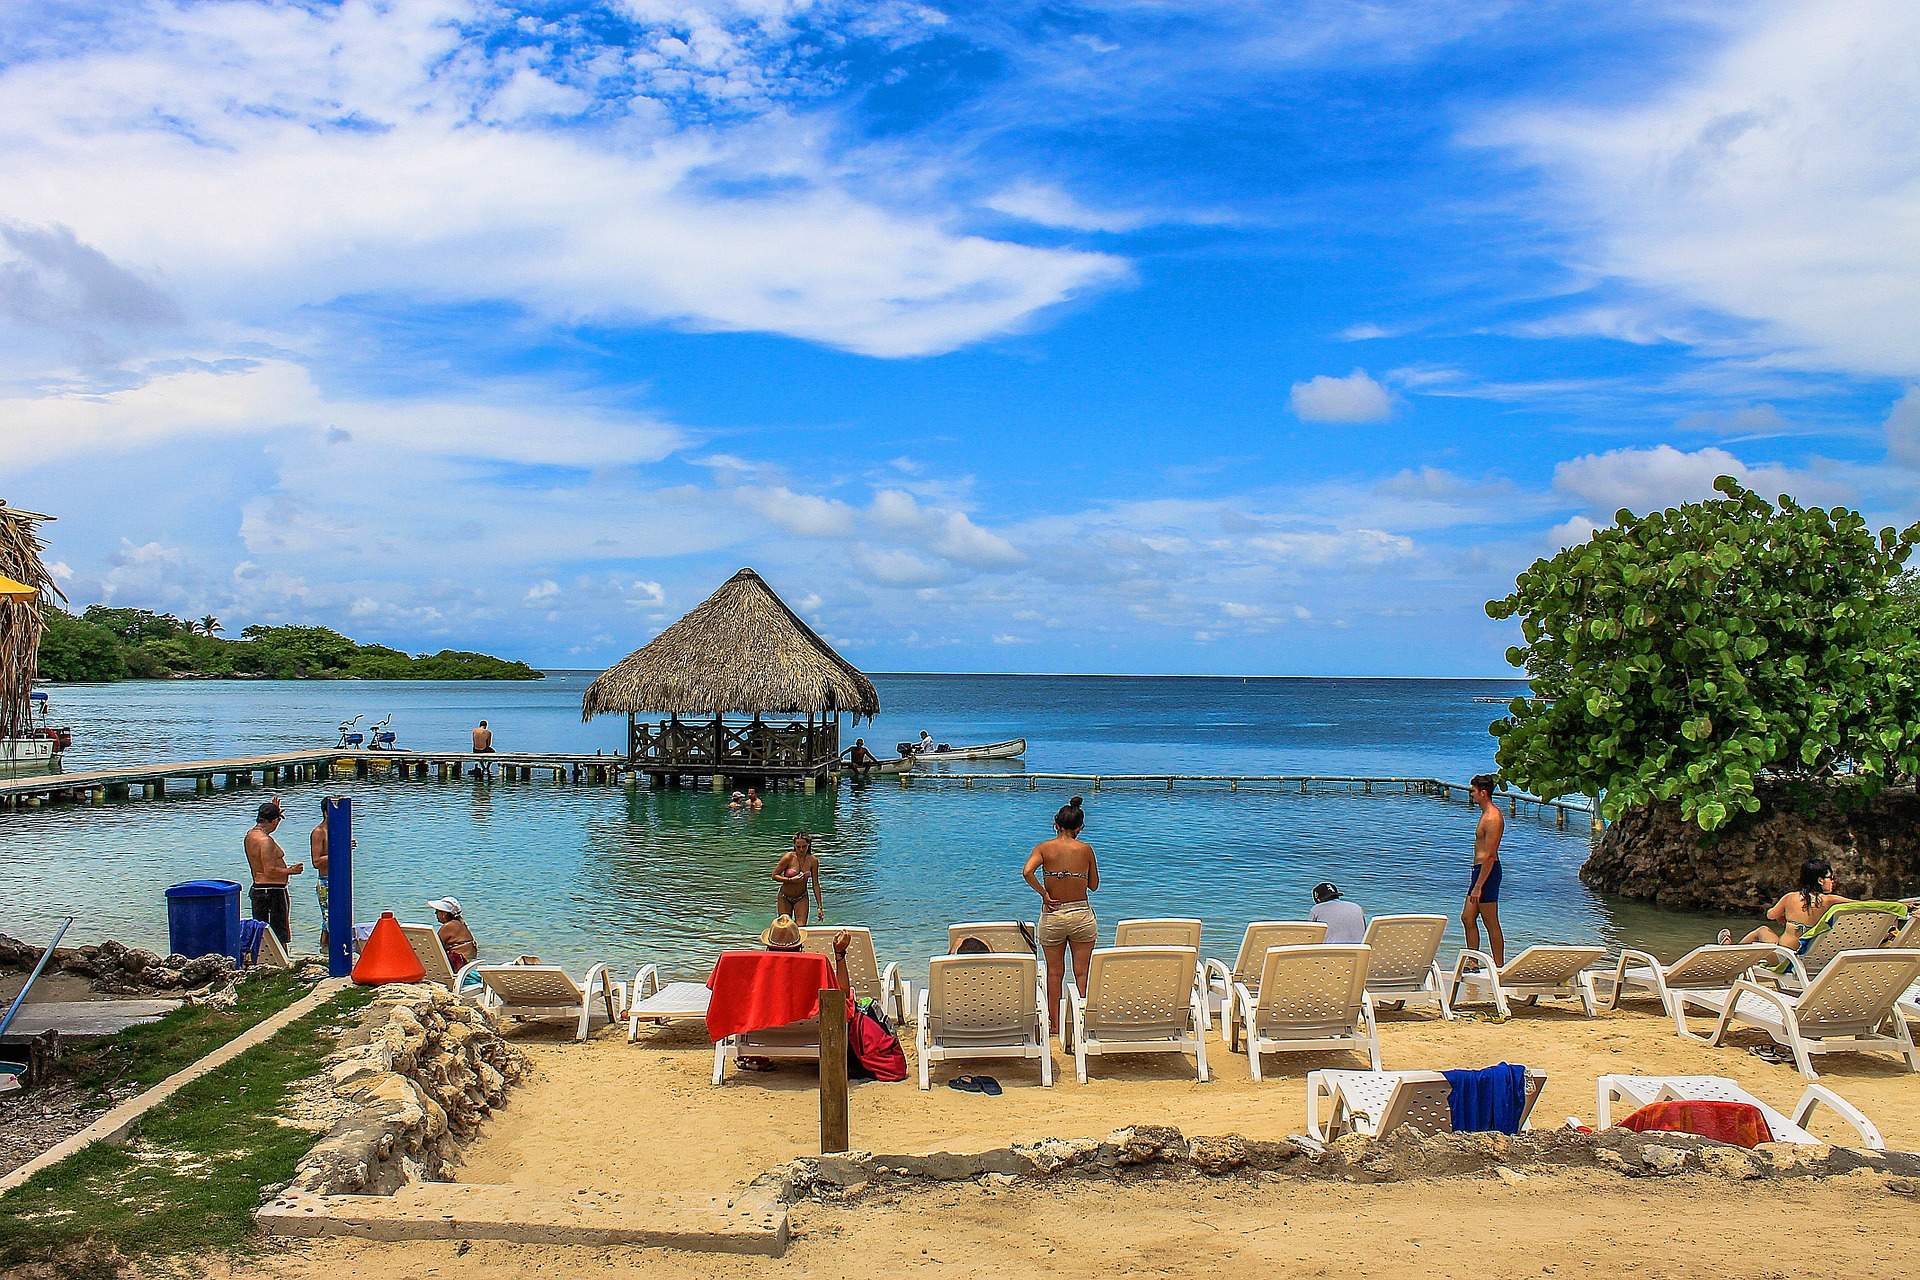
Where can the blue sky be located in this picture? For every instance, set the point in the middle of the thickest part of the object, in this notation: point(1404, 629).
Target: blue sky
point(1123, 336)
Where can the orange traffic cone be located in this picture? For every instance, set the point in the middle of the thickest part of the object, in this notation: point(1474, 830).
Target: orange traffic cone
point(386, 957)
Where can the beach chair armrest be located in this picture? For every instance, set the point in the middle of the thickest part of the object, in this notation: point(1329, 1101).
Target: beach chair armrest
point(1217, 969)
point(646, 982)
point(1817, 1095)
point(923, 1010)
point(1481, 958)
point(893, 991)
point(1794, 966)
point(1772, 995)
point(466, 972)
point(597, 981)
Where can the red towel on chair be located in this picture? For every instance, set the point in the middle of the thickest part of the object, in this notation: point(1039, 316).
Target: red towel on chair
point(754, 990)
point(1740, 1123)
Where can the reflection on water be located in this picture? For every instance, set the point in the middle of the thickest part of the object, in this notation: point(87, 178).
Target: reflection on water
point(585, 873)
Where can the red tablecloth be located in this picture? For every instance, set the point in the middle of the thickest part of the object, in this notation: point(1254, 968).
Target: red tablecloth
point(753, 990)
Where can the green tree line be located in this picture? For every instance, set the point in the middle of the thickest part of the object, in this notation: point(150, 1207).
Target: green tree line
point(105, 643)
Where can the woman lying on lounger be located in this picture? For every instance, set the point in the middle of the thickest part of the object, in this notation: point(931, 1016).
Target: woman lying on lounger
point(1799, 911)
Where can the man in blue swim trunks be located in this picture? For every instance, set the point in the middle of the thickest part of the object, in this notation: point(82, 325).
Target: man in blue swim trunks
point(1483, 889)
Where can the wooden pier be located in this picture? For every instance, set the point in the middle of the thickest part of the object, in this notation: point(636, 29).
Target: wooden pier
point(1517, 804)
point(203, 777)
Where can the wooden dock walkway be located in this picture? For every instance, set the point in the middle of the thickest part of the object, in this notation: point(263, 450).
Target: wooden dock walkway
point(1517, 803)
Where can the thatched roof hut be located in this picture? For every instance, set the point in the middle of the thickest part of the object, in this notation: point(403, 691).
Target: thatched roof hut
point(20, 623)
point(741, 649)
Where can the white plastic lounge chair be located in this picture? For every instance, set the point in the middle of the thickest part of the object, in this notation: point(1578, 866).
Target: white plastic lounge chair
point(1003, 937)
point(1849, 1008)
point(1260, 937)
point(272, 954)
point(797, 1041)
point(433, 957)
point(1405, 969)
point(544, 992)
point(1859, 929)
point(1375, 1103)
point(674, 1002)
point(1640, 1091)
point(1138, 1000)
point(870, 982)
point(1167, 931)
point(982, 1007)
point(1550, 971)
point(1710, 968)
point(1311, 997)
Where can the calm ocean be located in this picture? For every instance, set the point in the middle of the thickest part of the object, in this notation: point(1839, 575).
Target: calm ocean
point(580, 874)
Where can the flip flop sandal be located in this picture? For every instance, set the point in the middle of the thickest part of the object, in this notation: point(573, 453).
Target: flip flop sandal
point(989, 1086)
point(966, 1084)
point(1771, 1053)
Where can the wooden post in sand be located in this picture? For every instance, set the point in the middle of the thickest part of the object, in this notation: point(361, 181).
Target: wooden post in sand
point(833, 1070)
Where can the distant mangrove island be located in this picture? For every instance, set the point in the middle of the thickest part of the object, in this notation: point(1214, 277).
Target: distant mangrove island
point(106, 644)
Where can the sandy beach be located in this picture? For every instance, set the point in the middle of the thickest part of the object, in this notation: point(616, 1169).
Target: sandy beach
point(606, 1114)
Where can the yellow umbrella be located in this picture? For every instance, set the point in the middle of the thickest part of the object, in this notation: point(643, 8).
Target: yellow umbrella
point(11, 590)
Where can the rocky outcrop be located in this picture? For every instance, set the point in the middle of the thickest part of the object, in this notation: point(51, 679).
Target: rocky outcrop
point(115, 969)
point(1653, 855)
point(420, 1072)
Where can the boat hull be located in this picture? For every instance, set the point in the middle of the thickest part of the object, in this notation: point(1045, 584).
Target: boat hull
point(28, 755)
point(1008, 750)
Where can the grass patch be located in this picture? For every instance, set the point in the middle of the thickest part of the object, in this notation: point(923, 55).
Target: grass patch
point(145, 1055)
point(191, 1173)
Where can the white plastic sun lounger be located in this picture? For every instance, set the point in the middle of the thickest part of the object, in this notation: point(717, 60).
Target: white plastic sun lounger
point(545, 992)
point(1861, 929)
point(797, 1042)
point(883, 986)
point(1260, 937)
point(1554, 972)
point(658, 1004)
point(1167, 931)
point(1138, 1000)
point(1311, 998)
point(1375, 1103)
point(1405, 968)
point(1849, 1008)
point(1002, 937)
point(433, 957)
point(1640, 1091)
point(982, 1007)
point(1710, 968)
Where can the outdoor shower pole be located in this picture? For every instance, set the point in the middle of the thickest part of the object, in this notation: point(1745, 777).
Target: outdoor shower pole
point(338, 812)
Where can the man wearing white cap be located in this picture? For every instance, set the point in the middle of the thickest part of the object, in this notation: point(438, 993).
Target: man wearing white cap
point(454, 934)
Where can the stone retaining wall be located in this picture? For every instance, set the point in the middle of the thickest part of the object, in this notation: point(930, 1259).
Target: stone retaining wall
point(1150, 1151)
point(420, 1072)
point(114, 968)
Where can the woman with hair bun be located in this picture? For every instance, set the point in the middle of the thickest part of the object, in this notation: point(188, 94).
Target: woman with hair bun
point(1063, 872)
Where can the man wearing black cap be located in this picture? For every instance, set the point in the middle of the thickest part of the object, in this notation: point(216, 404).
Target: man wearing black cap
point(268, 897)
point(1345, 921)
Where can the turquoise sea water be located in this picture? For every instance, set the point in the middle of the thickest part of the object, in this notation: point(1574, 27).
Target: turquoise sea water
point(585, 873)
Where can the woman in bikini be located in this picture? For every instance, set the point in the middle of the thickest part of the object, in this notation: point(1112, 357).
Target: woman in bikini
point(1799, 911)
point(1063, 872)
point(795, 870)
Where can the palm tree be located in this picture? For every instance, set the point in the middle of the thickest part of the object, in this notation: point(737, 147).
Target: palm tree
point(210, 625)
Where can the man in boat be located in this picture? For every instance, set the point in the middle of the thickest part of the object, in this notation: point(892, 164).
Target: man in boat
point(861, 759)
point(925, 744)
point(268, 897)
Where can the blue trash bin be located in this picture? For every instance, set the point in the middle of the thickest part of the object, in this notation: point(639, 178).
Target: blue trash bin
point(203, 918)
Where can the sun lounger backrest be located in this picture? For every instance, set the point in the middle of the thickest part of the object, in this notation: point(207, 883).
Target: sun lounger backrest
point(863, 966)
point(1548, 966)
point(430, 952)
point(1262, 935)
point(981, 999)
point(1163, 931)
point(1716, 965)
point(531, 985)
point(1140, 990)
point(1421, 1101)
point(1854, 930)
point(1909, 935)
point(1404, 947)
point(1314, 988)
point(1856, 991)
point(1003, 937)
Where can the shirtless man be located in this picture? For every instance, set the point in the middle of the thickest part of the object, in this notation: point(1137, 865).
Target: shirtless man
point(1483, 889)
point(317, 854)
point(795, 869)
point(483, 740)
point(268, 897)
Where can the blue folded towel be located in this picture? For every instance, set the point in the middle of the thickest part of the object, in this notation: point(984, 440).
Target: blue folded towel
point(1492, 1099)
point(250, 932)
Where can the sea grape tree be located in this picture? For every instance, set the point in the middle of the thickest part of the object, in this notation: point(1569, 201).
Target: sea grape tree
point(1684, 654)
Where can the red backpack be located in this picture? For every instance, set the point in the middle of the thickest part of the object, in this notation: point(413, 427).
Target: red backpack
point(873, 1050)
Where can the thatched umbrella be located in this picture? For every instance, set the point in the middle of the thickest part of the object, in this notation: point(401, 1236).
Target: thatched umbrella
point(741, 649)
point(20, 549)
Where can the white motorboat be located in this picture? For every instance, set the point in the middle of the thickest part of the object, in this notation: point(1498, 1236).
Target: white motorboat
point(39, 750)
point(1007, 750)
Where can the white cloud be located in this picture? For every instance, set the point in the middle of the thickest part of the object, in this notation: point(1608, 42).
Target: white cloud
point(643, 594)
point(1049, 206)
point(542, 592)
point(1572, 532)
point(804, 514)
point(964, 542)
point(1345, 547)
point(1772, 180)
point(894, 567)
point(1902, 428)
point(1354, 398)
point(1649, 479)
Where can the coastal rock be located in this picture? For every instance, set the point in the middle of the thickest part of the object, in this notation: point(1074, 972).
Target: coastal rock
point(1654, 855)
point(418, 1072)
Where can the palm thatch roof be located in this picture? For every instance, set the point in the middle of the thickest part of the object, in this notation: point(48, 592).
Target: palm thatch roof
point(741, 649)
point(20, 620)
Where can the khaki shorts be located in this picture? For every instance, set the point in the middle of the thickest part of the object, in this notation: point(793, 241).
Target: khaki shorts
point(1072, 923)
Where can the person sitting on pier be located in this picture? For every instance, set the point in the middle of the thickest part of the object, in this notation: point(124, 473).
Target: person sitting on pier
point(861, 759)
point(1345, 921)
point(268, 861)
point(796, 869)
point(462, 948)
point(483, 740)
